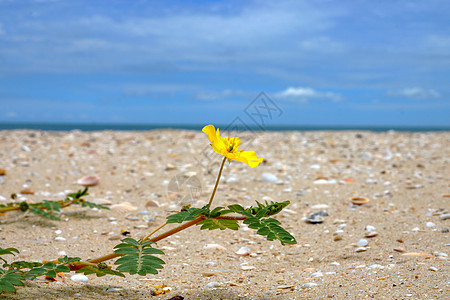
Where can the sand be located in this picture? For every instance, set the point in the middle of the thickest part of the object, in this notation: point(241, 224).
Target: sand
point(405, 177)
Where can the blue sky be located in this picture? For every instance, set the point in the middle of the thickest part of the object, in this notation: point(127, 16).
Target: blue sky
point(197, 62)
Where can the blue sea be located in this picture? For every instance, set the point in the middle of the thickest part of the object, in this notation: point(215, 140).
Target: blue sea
point(145, 127)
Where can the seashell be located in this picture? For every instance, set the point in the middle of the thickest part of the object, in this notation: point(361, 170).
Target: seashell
point(361, 249)
point(90, 180)
point(247, 268)
point(399, 249)
point(418, 254)
point(215, 246)
point(371, 234)
point(244, 251)
point(359, 200)
point(170, 167)
point(151, 203)
point(127, 206)
point(27, 191)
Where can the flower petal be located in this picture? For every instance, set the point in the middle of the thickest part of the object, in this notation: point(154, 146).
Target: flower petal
point(248, 157)
point(210, 131)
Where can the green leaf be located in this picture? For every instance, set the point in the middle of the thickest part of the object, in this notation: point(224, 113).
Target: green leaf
point(186, 215)
point(271, 229)
point(99, 271)
point(8, 251)
point(236, 208)
point(37, 211)
point(24, 265)
point(51, 205)
point(212, 224)
point(91, 205)
point(8, 280)
point(66, 259)
point(136, 257)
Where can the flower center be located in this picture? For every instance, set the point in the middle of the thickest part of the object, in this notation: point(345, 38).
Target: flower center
point(231, 144)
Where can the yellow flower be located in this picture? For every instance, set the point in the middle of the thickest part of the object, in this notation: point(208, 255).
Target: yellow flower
point(229, 147)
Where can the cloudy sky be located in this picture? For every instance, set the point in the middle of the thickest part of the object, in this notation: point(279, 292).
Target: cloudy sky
point(196, 62)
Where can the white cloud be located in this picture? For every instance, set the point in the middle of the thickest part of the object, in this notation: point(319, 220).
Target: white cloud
point(304, 94)
point(415, 93)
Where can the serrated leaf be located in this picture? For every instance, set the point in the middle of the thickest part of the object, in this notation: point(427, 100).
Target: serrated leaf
point(212, 224)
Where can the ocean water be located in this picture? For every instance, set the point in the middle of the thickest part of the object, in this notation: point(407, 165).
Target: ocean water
point(145, 127)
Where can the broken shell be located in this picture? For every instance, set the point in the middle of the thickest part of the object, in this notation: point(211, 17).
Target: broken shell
point(359, 200)
point(27, 191)
point(124, 206)
point(418, 254)
point(247, 268)
point(90, 180)
point(399, 249)
point(215, 246)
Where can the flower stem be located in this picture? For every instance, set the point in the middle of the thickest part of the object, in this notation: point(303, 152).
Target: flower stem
point(217, 183)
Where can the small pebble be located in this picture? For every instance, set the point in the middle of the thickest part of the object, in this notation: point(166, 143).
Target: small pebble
point(399, 249)
point(362, 243)
point(361, 249)
point(433, 269)
point(79, 278)
point(58, 231)
point(212, 284)
point(444, 216)
point(308, 285)
point(430, 224)
point(2, 172)
point(370, 228)
point(247, 268)
point(114, 289)
point(269, 177)
point(60, 239)
point(243, 251)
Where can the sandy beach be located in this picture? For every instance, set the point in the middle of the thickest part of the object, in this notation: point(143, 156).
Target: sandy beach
point(395, 246)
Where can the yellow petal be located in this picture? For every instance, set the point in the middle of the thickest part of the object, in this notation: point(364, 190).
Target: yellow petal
point(210, 131)
point(248, 157)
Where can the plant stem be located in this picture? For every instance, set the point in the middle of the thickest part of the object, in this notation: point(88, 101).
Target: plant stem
point(151, 233)
point(155, 239)
point(217, 183)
